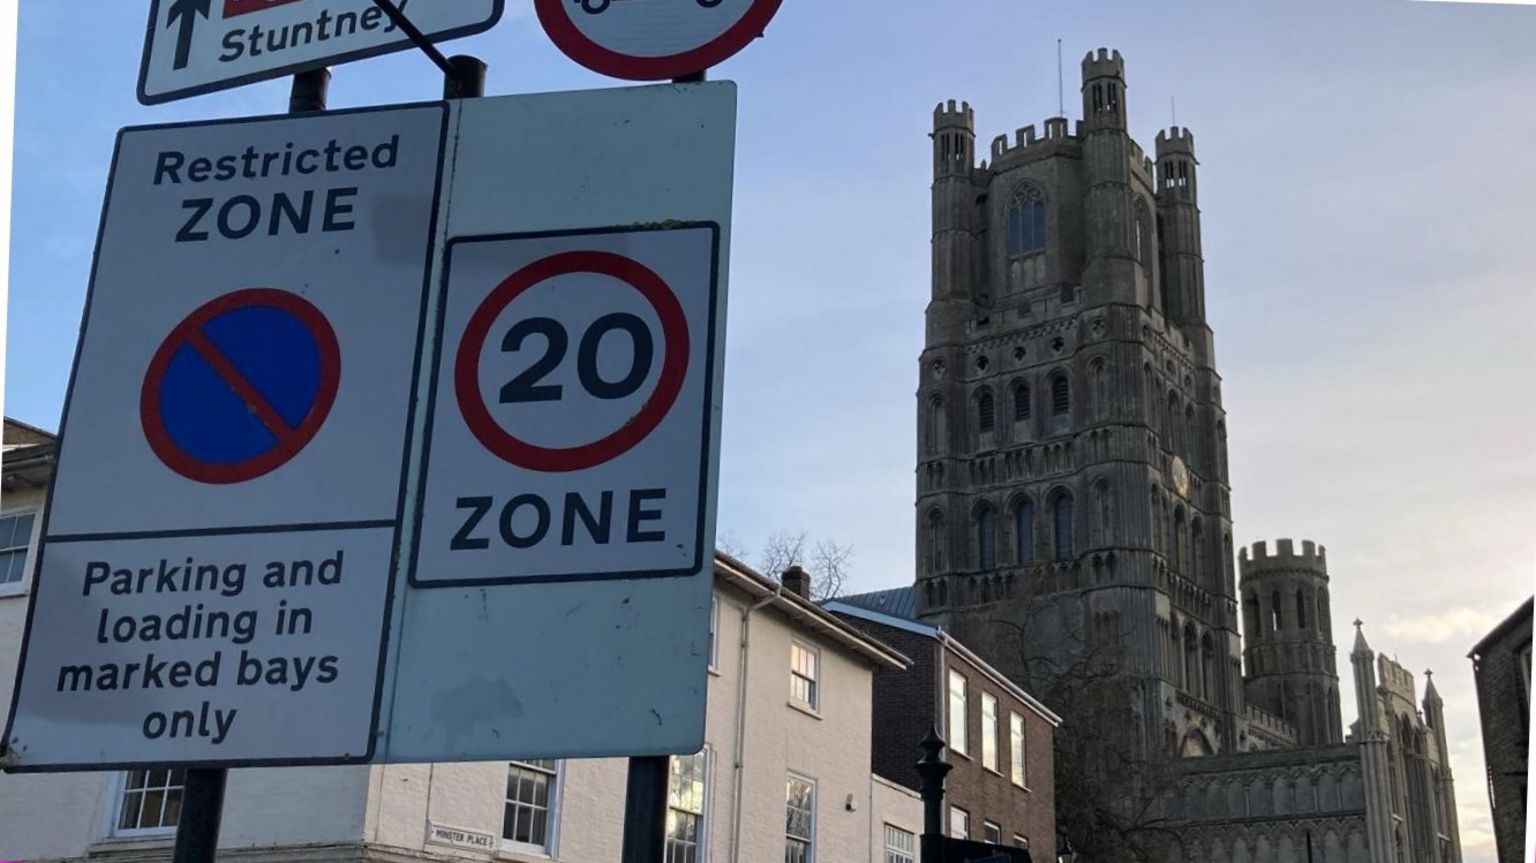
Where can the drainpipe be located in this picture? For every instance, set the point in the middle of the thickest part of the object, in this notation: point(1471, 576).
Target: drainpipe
point(741, 720)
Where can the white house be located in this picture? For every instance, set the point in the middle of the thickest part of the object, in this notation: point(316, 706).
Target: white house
point(784, 775)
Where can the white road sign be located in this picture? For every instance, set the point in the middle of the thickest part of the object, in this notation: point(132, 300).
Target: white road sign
point(197, 46)
point(650, 40)
point(606, 227)
point(217, 552)
point(251, 556)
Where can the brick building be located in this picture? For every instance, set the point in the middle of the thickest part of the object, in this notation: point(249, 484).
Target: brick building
point(1002, 787)
point(1501, 664)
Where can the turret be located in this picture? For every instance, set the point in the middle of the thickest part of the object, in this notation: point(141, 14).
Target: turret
point(1110, 268)
point(1178, 227)
point(954, 145)
point(1288, 650)
point(1372, 740)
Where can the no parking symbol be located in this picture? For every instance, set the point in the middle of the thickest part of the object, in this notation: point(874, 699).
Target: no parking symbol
point(573, 397)
point(240, 386)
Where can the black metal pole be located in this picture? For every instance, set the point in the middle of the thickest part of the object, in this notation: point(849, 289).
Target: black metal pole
point(202, 808)
point(309, 91)
point(467, 80)
point(645, 810)
point(695, 78)
point(931, 769)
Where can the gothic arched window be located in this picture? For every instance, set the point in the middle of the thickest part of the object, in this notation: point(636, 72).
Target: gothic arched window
point(1061, 509)
point(1103, 514)
point(1301, 610)
point(1191, 436)
point(1061, 395)
point(986, 413)
point(1143, 237)
point(986, 537)
point(1021, 408)
point(1197, 568)
point(1024, 532)
point(1099, 389)
point(1275, 621)
point(1180, 543)
point(934, 541)
point(933, 426)
point(1026, 222)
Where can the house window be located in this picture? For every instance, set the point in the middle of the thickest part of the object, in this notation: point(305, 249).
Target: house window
point(714, 632)
point(803, 662)
point(1021, 841)
point(986, 538)
point(531, 786)
point(151, 801)
point(1026, 222)
point(800, 821)
point(1024, 532)
point(1016, 749)
point(15, 536)
point(685, 808)
point(986, 413)
point(992, 834)
point(988, 731)
point(1061, 395)
point(900, 846)
point(957, 717)
point(959, 823)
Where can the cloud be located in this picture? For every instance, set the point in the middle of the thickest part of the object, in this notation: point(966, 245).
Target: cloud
point(1437, 627)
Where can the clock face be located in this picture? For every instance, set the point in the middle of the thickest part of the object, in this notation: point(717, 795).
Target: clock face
point(1180, 477)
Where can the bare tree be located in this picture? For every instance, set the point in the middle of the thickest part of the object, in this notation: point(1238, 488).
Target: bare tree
point(828, 562)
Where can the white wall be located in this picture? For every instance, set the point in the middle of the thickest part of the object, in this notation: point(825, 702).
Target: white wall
point(898, 806)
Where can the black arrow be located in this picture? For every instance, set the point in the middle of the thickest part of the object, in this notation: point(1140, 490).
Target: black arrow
point(187, 11)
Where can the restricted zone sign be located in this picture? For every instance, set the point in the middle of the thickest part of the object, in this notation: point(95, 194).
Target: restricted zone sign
point(197, 46)
point(650, 40)
point(216, 564)
point(233, 570)
point(570, 437)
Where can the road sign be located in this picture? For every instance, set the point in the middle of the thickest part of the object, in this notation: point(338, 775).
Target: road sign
point(197, 46)
point(240, 386)
point(582, 313)
point(653, 39)
point(217, 553)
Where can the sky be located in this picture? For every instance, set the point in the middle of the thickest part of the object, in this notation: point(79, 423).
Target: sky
point(1365, 193)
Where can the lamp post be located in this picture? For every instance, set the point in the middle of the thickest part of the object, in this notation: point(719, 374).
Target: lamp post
point(1065, 851)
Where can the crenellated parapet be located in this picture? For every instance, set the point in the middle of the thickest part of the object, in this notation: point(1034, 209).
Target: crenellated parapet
point(1285, 558)
point(1103, 63)
point(949, 114)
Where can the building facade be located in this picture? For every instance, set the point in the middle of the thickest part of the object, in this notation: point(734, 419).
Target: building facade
point(1501, 666)
point(784, 774)
point(1074, 505)
point(1001, 788)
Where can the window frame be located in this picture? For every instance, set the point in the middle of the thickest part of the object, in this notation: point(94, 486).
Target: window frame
point(894, 854)
point(964, 818)
point(714, 633)
point(701, 845)
point(1018, 750)
point(814, 704)
point(994, 829)
point(115, 815)
point(810, 841)
point(551, 809)
point(989, 740)
point(1028, 232)
point(986, 536)
point(27, 548)
point(962, 745)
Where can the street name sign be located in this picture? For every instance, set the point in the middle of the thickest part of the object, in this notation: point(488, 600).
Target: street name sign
point(216, 567)
point(198, 46)
point(651, 40)
point(252, 553)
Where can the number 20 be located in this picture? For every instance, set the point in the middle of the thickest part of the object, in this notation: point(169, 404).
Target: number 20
point(526, 387)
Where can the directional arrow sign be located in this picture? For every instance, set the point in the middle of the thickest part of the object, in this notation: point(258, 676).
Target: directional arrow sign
point(198, 46)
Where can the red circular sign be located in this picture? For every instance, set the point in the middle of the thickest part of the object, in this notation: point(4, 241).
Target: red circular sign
point(240, 386)
point(466, 370)
point(559, 22)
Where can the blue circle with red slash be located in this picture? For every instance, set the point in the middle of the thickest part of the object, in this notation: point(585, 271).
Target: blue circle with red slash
point(240, 386)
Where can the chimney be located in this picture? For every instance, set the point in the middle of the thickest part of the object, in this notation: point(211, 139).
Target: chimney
point(798, 581)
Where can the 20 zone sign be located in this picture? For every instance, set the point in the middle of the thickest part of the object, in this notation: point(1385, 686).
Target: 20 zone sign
point(574, 401)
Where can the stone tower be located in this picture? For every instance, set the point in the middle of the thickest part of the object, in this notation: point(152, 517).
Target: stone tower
point(1288, 652)
point(1071, 471)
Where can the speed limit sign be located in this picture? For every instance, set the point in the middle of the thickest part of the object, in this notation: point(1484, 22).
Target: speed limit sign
point(572, 401)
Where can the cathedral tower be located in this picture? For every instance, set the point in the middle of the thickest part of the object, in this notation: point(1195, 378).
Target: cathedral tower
point(1288, 631)
point(1071, 475)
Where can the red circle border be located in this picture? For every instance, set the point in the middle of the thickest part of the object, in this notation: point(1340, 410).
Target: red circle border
point(325, 396)
point(555, 15)
point(674, 367)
